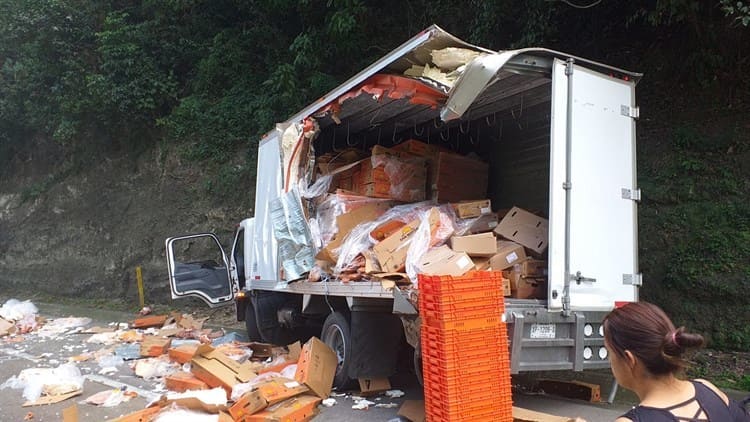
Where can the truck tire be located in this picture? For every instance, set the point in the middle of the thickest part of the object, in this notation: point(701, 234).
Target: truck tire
point(251, 322)
point(418, 363)
point(336, 335)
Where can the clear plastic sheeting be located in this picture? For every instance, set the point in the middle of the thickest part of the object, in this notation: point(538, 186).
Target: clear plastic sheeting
point(359, 239)
point(15, 310)
point(292, 234)
point(36, 382)
point(427, 237)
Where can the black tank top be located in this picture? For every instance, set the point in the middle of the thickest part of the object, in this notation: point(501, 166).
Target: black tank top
point(709, 404)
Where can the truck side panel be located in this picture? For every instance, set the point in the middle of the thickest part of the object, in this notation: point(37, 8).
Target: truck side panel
point(268, 187)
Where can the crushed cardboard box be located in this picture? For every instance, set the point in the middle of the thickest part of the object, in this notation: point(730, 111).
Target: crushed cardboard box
point(525, 228)
point(218, 370)
point(482, 244)
point(316, 367)
point(472, 209)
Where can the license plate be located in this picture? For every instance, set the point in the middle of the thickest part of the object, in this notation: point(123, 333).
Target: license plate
point(542, 330)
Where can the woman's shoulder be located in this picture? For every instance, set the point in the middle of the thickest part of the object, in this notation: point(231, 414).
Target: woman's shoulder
point(713, 388)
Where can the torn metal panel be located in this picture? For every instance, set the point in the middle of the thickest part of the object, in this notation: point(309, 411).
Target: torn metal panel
point(292, 233)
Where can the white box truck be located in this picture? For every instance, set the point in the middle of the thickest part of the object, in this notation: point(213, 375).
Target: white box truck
point(558, 134)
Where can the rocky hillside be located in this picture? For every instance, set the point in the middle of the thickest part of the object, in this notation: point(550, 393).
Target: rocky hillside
point(81, 232)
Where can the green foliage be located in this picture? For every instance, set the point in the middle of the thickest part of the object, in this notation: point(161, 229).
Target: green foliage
point(738, 10)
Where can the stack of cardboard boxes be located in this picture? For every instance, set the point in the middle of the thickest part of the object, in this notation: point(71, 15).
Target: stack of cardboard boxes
point(512, 242)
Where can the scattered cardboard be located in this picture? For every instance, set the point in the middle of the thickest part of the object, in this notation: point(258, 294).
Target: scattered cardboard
point(219, 370)
point(6, 327)
point(297, 409)
point(70, 414)
point(413, 410)
point(250, 402)
point(192, 403)
point(445, 261)
point(525, 228)
point(279, 389)
point(482, 244)
point(150, 321)
point(56, 398)
point(261, 350)
point(572, 389)
point(294, 351)
point(316, 367)
point(143, 415)
point(368, 386)
point(525, 415)
point(183, 353)
point(182, 381)
point(153, 346)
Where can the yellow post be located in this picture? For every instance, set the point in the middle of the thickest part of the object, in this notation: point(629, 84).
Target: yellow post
point(139, 278)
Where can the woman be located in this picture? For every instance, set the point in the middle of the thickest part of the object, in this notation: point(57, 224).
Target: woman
point(646, 355)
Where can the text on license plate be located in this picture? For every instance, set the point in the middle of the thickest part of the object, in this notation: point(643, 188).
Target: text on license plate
point(542, 330)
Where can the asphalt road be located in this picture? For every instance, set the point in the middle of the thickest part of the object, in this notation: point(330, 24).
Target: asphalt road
point(35, 350)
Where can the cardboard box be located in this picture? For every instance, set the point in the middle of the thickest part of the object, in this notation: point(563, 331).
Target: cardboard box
point(534, 268)
point(525, 228)
point(298, 409)
point(472, 209)
point(368, 386)
point(458, 177)
point(483, 244)
point(316, 367)
point(523, 287)
point(508, 254)
point(219, 370)
point(150, 321)
point(507, 291)
point(481, 263)
point(445, 261)
point(483, 223)
point(526, 415)
point(345, 223)
point(182, 381)
point(413, 410)
point(250, 403)
point(183, 353)
point(154, 346)
point(279, 389)
point(391, 252)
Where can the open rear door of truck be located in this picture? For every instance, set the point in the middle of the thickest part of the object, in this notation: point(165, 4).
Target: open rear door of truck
point(598, 121)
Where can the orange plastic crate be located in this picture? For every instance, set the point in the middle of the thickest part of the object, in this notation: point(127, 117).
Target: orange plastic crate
point(471, 281)
point(470, 295)
point(471, 337)
point(455, 315)
point(462, 324)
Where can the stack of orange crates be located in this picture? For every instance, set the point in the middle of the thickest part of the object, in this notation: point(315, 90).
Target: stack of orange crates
point(465, 355)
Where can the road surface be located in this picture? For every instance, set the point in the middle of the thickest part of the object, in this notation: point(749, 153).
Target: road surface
point(39, 351)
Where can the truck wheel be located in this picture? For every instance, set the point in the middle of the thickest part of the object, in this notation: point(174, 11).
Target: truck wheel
point(336, 335)
point(251, 322)
point(418, 363)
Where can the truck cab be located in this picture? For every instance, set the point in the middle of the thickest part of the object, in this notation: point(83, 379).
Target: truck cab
point(557, 133)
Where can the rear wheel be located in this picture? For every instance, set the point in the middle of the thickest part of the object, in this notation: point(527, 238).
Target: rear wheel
point(418, 363)
point(336, 335)
point(251, 322)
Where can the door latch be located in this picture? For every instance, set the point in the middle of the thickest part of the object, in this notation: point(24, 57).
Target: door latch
point(578, 278)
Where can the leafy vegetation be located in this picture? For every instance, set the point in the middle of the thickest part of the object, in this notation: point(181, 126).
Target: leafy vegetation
point(208, 77)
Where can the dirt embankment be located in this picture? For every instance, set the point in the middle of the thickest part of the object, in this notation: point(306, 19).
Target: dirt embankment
point(81, 232)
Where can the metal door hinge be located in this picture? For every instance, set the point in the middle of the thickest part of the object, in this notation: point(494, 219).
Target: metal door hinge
point(632, 279)
point(633, 194)
point(628, 111)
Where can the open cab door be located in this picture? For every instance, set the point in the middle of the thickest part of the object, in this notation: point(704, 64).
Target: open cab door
point(199, 267)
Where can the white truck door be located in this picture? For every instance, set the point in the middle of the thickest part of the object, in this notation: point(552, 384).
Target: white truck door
point(603, 234)
point(268, 187)
point(198, 267)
